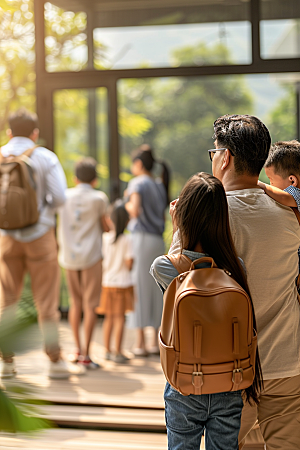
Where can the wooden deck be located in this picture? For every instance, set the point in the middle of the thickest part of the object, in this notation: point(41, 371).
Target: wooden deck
point(59, 439)
point(119, 406)
point(137, 384)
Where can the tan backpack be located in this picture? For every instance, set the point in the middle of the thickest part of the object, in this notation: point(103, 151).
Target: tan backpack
point(18, 202)
point(207, 341)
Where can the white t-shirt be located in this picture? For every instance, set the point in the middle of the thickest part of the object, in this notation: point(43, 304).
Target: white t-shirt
point(266, 235)
point(79, 229)
point(115, 272)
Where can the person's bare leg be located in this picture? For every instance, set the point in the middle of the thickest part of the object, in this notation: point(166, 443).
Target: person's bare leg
point(155, 338)
point(74, 317)
point(75, 312)
point(107, 331)
point(140, 339)
point(89, 322)
point(119, 322)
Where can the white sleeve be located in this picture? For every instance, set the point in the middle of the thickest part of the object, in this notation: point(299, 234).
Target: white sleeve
point(175, 245)
point(128, 247)
point(103, 204)
point(56, 185)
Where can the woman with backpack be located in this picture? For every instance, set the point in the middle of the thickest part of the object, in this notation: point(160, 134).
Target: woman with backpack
point(146, 205)
point(201, 216)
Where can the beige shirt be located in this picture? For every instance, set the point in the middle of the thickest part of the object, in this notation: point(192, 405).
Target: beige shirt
point(267, 236)
point(79, 229)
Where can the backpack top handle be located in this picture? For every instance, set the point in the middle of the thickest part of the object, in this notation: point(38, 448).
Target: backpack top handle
point(183, 263)
point(204, 259)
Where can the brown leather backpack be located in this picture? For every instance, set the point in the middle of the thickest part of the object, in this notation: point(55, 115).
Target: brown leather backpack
point(207, 341)
point(18, 202)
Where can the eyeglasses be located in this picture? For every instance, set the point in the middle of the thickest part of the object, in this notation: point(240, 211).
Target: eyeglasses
point(212, 151)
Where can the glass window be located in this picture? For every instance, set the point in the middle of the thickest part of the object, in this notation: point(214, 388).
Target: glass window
point(176, 115)
point(280, 29)
point(138, 35)
point(81, 129)
point(65, 39)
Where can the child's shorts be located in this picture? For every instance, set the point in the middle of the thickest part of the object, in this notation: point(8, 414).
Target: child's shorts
point(116, 301)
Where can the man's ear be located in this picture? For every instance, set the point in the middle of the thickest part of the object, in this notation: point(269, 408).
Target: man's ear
point(9, 133)
point(294, 180)
point(226, 159)
point(35, 135)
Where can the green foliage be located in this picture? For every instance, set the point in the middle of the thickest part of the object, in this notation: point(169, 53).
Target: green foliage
point(16, 415)
point(65, 39)
point(182, 112)
point(201, 55)
point(282, 121)
point(17, 59)
point(17, 418)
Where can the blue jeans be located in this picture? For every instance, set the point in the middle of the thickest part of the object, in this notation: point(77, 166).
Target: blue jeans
point(188, 416)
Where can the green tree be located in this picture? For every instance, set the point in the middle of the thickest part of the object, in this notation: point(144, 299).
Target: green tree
point(282, 120)
point(182, 112)
point(17, 57)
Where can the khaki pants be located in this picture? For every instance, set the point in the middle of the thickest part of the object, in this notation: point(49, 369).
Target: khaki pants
point(39, 258)
point(85, 286)
point(278, 415)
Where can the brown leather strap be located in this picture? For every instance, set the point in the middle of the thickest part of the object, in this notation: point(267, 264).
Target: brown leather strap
point(297, 214)
point(30, 151)
point(236, 337)
point(237, 378)
point(26, 153)
point(181, 262)
point(203, 260)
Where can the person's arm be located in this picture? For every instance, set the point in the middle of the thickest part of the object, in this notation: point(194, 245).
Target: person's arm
point(102, 204)
point(129, 263)
point(104, 224)
point(163, 272)
point(280, 196)
point(56, 185)
point(133, 206)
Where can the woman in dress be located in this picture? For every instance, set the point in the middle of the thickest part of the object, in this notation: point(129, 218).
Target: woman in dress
point(147, 201)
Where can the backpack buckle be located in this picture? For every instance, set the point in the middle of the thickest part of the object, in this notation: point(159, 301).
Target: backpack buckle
point(237, 375)
point(199, 382)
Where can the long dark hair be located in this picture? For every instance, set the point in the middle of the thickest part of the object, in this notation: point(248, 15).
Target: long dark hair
point(145, 154)
point(119, 217)
point(201, 215)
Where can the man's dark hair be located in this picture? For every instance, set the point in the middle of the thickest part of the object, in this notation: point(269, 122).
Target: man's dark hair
point(284, 157)
point(247, 138)
point(85, 170)
point(22, 122)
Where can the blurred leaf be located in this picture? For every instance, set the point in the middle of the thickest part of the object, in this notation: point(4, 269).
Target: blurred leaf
point(13, 420)
point(125, 176)
point(15, 322)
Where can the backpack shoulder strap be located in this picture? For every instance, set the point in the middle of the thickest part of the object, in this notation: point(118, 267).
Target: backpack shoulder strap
point(26, 153)
point(297, 214)
point(30, 151)
point(181, 262)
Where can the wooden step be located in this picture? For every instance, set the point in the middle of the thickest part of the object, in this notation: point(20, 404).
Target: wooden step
point(105, 418)
point(65, 439)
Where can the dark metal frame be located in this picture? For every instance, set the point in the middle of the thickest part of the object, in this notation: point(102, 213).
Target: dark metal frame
point(47, 83)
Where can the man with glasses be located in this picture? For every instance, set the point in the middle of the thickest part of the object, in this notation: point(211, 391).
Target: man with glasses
point(266, 236)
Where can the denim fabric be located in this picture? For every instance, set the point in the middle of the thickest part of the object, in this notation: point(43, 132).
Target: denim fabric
point(188, 416)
